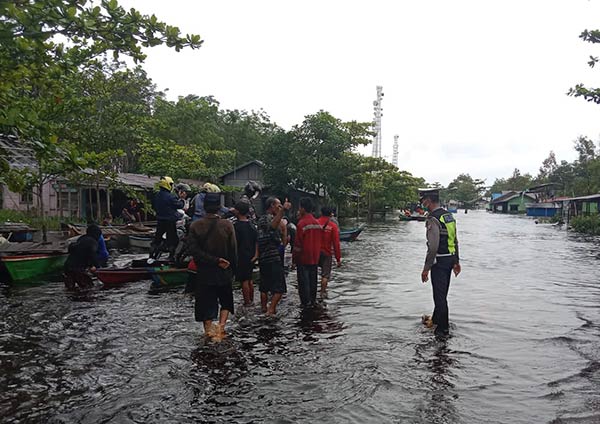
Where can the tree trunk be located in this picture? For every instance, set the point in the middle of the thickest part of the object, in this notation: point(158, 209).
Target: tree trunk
point(98, 204)
point(91, 217)
point(41, 203)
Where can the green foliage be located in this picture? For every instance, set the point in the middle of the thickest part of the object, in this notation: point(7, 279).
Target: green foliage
point(587, 224)
point(165, 157)
point(464, 189)
point(32, 219)
point(516, 182)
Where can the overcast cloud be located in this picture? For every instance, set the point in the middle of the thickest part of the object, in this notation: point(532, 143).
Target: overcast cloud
point(470, 86)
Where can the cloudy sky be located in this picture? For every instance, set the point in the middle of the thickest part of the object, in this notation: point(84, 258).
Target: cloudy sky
point(471, 86)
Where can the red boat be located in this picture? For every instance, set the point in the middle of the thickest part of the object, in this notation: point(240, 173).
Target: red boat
point(116, 276)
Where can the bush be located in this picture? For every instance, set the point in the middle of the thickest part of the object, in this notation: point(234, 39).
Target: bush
point(586, 224)
point(52, 223)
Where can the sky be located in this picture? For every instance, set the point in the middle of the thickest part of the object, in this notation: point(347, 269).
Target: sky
point(470, 86)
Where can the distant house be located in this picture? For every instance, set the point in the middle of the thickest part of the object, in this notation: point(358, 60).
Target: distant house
point(584, 205)
point(481, 203)
point(512, 202)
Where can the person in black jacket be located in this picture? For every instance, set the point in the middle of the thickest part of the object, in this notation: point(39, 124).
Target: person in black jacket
point(165, 206)
point(83, 255)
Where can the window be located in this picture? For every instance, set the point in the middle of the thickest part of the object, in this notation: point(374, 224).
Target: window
point(26, 197)
point(514, 208)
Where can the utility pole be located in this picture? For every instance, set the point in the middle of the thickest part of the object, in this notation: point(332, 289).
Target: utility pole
point(377, 122)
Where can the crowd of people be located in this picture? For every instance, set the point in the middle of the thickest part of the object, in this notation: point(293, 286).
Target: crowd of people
point(224, 245)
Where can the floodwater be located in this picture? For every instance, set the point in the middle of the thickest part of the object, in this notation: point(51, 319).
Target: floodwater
point(525, 345)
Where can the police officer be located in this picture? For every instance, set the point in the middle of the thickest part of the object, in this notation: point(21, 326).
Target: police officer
point(442, 256)
point(166, 204)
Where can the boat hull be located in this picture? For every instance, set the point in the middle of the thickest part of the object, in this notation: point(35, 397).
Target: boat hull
point(351, 235)
point(141, 242)
point(111, 277)
point(413, 218)
point(30, 267)
point(163, 279)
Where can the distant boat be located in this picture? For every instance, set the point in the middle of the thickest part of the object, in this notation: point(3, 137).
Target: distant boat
point(412, 217)
point(351, 234)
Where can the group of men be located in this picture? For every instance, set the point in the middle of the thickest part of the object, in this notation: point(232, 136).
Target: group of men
point(223, 250)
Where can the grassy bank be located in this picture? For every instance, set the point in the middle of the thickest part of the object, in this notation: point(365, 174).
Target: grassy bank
point(52, 223)
point(586, 224)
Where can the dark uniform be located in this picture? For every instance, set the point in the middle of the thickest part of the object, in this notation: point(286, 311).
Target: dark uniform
point(442, 256)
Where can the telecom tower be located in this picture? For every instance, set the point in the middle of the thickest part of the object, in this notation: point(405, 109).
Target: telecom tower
point(377, 122)
point(395, 154)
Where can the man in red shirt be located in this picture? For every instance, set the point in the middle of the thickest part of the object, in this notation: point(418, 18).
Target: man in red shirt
point(330, 239)
point(307, 248)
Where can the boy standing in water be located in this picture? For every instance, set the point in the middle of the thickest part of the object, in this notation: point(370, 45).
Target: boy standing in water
point(330, 245)
point(247, 248)
point(442, 256)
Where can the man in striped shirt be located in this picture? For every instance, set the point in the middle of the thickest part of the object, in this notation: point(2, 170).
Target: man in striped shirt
point(307, 248)
point(272, 277)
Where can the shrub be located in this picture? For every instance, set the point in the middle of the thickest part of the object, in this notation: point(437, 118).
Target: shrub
point(586, 224)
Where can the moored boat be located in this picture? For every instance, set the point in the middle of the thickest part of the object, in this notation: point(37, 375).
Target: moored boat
point(164, 279)
point(141, 242)
point(112, 277)
point(413, 217)
point(28, 267)
point(351, 234)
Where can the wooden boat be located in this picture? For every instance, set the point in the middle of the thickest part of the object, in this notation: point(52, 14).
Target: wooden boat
point(413, 218)
point(116, 230)
point(112, 277)
point(164, 279)
point(351, 234)
point(141, 242)
point(28, 267)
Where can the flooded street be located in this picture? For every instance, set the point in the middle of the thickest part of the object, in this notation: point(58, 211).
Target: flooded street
point(525, 345)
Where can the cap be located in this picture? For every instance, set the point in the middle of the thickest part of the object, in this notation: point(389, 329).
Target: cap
point(429, 192)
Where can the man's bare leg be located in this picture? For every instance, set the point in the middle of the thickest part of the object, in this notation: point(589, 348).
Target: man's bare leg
point(208, 328)
point(251, 289)
point(246, 292)
point(324, 281)
point(220, 334)
point(274, 301)
point(263, 301)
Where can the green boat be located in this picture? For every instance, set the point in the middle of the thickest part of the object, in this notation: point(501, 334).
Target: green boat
point(166, 278)
point(30, 267)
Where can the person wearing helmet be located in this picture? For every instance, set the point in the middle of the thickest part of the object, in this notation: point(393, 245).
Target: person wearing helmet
point(197, 204)
point(165, 205)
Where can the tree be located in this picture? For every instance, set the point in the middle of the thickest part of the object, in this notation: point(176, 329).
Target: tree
point(580, 90)
point(548, 167)
point(46, 43)
point(464, 188)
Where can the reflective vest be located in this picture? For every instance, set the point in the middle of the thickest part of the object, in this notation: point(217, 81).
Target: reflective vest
point(447, 223)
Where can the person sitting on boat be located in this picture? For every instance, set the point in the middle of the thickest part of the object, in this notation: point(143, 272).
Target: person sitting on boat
point(213, 246)
point(166, 205)
point(83, 256)
point(196, 209)
point(132, 212)
point(102, 251)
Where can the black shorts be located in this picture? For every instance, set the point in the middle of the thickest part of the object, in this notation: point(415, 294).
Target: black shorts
point(272, 278)
point(208, 298)
point(244, 271)
point(325, 263)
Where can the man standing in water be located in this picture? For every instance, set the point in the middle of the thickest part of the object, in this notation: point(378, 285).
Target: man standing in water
point(442, 256)
point(307, 248)
point(272, 277)
point(212, 243)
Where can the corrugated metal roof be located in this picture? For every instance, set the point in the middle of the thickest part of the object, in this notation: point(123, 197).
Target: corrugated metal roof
point(589, 197)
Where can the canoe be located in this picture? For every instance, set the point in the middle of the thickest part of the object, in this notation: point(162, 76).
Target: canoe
point(164, 279)
point(29, 267)
point(141, 242)
point(413, 218)
point(112, 277)
point(351, 234)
